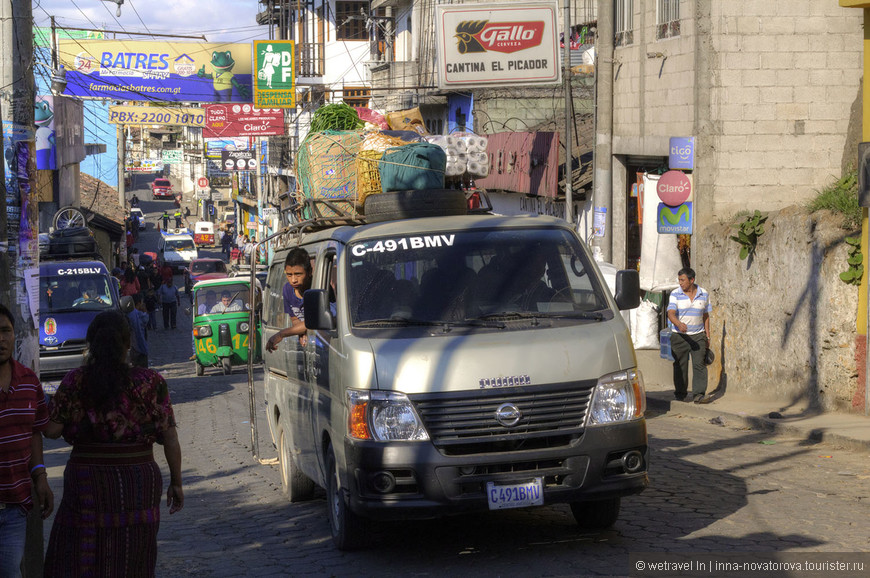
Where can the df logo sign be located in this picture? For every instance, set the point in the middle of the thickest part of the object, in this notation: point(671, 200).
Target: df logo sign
point(674, 220)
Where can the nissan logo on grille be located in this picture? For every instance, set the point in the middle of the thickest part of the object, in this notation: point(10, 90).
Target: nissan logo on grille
point(508, 415)
point(507, 381)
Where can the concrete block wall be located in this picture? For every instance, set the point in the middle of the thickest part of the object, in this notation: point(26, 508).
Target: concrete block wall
point(772, 118)
point(787, 74)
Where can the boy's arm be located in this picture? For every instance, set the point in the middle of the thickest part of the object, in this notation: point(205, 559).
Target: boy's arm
point(297, 327)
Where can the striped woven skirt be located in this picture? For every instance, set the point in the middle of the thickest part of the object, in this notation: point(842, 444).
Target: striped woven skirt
point(108, 518)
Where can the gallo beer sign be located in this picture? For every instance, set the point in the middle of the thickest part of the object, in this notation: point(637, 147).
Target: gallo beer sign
point(491, 45)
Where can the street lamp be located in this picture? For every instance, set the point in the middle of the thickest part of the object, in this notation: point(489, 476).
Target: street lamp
point(118, 2)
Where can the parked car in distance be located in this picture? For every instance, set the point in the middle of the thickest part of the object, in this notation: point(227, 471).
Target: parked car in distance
point(203, 269)
point(161, 189)
point(138, 213)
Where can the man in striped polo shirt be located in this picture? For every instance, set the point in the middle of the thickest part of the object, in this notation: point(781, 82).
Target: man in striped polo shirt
point(23, 414)
point(689, 313)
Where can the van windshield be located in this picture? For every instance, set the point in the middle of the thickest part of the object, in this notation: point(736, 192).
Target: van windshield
point(473, 276)
point(64, 293)
point(180, 245)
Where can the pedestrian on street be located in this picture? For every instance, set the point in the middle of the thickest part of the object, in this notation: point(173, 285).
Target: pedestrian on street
point(130, 285)
point(170, 300)
point(689, 311)
point(226, 243)
point(23, 415)
point(249, 250)
point(112, 414)
point(165, 217)
point(138, 319)
point(165, 273)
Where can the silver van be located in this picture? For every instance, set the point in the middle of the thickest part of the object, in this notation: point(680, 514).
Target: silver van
point(455, 364)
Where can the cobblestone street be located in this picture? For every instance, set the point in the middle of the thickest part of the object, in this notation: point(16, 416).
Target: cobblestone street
point(713, 489)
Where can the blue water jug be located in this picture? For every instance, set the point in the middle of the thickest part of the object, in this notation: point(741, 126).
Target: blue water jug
point(665, 344)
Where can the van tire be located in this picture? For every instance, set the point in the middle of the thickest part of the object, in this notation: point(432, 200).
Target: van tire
point(397, 205)
point(597, 515)
point(294, 484)
point(348, 528)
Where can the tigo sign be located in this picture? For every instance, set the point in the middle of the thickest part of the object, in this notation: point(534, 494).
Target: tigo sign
point(681, 153)
point(491, 45)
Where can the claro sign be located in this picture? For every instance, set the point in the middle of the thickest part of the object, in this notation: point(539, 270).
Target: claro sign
point(490, 45)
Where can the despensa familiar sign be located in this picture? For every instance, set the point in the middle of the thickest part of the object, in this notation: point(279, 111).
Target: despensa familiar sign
point(492, 45)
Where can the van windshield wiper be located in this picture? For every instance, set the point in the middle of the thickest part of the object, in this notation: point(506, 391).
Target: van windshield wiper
point(509, 315)
point(403, 322)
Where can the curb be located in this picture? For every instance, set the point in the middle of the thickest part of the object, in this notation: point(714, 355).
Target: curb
point(664, 402)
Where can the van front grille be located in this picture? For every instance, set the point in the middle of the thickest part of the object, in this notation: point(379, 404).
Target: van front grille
point(464, 423)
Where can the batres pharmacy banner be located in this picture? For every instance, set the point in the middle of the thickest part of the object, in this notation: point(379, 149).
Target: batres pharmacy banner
point(492, 45)
point(157, 71)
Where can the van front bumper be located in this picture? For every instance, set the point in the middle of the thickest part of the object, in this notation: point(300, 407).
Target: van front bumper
point(428, 484)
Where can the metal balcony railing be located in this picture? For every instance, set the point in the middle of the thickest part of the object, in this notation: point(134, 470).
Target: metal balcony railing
point(309, 59)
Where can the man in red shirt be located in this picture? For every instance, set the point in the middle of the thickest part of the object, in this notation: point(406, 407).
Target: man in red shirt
point(23, 415)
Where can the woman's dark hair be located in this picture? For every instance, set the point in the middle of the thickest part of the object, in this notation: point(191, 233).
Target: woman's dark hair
point(130, 276)
point(106, 372)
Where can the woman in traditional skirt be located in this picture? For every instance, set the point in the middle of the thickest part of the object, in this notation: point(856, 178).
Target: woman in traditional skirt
point(112, 414)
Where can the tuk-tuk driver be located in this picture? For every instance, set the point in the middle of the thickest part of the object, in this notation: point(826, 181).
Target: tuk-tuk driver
point(227, 305)
point(210, 302)
point(297, 269)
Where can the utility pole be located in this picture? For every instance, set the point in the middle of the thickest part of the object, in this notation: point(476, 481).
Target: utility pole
point(122, 161)
point(602, 199)
point(569, 117)
point(19, 246)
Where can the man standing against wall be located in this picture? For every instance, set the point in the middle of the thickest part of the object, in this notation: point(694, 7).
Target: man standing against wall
point(689, 312)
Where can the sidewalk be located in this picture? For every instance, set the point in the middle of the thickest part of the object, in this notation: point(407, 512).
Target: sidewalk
point(851, 431)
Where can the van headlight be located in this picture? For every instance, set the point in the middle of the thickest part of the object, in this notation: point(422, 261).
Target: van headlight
point(383, 416)
point(243, 327)
point(618, 397)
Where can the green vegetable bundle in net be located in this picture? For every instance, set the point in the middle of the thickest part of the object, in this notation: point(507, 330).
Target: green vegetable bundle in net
point(335, 117)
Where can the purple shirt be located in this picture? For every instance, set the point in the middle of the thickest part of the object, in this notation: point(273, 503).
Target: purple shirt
point(292, 303)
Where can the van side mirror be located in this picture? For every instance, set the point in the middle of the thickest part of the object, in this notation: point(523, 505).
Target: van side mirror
point(627, 289)
point(317, 313)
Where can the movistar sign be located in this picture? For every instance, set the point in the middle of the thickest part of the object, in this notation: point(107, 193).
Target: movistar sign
point(674, 220)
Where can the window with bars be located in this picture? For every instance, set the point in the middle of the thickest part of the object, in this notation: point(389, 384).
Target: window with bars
point(350, 20)
point(623, 19)
point(356, 96)
point(667, 19)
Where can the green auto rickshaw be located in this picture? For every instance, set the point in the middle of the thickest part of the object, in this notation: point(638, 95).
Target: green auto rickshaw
point(223, 324)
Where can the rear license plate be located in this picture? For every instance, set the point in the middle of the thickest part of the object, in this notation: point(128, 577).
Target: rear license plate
point(503, 496)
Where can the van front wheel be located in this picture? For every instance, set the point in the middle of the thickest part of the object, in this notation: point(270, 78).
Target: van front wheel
point(596, 515)
point(295, 485)
point(348, 529)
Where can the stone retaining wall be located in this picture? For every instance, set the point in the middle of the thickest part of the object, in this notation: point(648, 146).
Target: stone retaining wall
point(783, 323)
